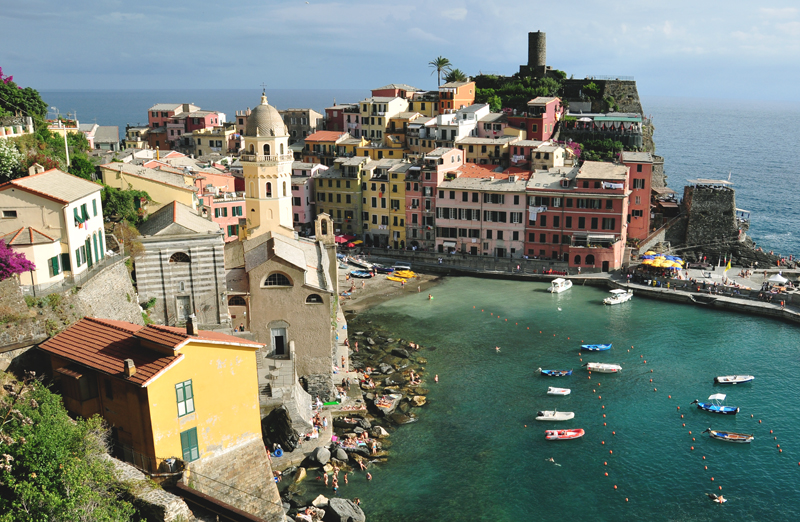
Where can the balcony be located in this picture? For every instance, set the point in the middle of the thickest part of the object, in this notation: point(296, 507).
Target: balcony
point(258, 158)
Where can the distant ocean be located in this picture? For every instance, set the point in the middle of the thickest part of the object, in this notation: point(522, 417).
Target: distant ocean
point(754, 141)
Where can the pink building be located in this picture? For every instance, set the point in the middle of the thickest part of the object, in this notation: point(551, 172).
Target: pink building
point(225, 209)
point(422, 181)
point(303, 207)
point(641, 173)
point(492, 125)
point(540, 120)
point(395, 90)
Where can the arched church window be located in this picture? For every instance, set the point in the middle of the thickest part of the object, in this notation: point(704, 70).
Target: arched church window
point(284, 189)
point(252, 149)
point(269, 189)
point(282, 149)
point(266, 149)
point(277, 279)
point(237, 300)
point(179, 257)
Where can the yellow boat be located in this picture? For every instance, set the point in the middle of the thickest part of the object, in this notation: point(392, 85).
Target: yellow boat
point(408, 274)
point(398, 279)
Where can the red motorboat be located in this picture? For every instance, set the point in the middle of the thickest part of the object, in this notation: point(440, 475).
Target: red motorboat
point(563, 434)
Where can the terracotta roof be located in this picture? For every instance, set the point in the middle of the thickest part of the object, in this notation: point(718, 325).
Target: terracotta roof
point(26, 236)
point(103, 345)
point(475, 170)
point(177, 337)
point(325, 136)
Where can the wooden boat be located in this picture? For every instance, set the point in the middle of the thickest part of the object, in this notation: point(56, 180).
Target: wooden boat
point(360, 263)
point(387, 403)
point(398, 279)
point(554, 415)
point(603, 367)
point(715, 407)
point(559, 285)
point(733, 379)
point(563, 434)
point(555, 373)
point(558, 391)
point(729, 436)
point(596, 347)
point(618, 296)
point(361, 274)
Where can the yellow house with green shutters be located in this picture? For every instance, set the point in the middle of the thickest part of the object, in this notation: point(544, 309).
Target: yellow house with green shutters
point(175, 399)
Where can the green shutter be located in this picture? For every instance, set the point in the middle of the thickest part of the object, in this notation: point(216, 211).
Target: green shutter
point(187, 453)
point(195, 451)
point(216, 212)
point(85, 212)
point(102, 245)
point(77, 217)
point(94, 206)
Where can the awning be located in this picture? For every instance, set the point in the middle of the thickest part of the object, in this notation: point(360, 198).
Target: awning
point(449, 244)
point(601, 237)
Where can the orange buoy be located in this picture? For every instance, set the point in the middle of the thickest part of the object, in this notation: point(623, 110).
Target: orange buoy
point(770, 432)
point(651, 380)
point(692, 448)
point(567, 338)
point(540, 331)
point(529, 328)
point(473, 307)
point(589, 377)
point(751, 415)
point(554, 335)
point(684, 424)
point(779, 445)
point(681, 415)
point(669, 396)
point(506, 319)
point(604, 424)
point(690, 432)
point(615, 486)
point(581, 360)
point(604, 415)
point(704, 457)
point(759, 421)
point(604, 407)
point(679, 407)
point(626, 499)
point(712, 479)
point(720, 487)
point(611, 451)
point(780, 451)
point(774, 438)
point(599, 396)
point(651, 371)
point(606, 463)
point(603, 442)
point(706, 467)
point(692, 439)
point(606, 473)
point(613, 432)
point(481, 310)
point(641, 356)
point(645, 362)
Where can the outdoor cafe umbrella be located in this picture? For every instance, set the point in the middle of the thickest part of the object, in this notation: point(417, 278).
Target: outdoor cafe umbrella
point(340, 239)
point(778, 278)
point(350, 245)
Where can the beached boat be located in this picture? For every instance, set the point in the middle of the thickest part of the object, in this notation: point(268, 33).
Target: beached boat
point(563, 434)
point(555, 373)
point(554, 415)
point(715, 407)
point(729, 436)
point(603, 367)
point(398, 279)
point(360, 263)
point(360, 273)
point(382, 269)
point(407, 274)
point(618, 296)
point(558, 391)
point(596, 347)
point(559, 285)
point(343, 266)
point(733, 379)
point(387, 403)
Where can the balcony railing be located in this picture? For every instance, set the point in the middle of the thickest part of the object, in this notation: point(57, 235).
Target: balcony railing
point(267, 159)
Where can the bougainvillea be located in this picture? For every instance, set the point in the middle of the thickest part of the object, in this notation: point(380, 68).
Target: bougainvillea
point(11, 262)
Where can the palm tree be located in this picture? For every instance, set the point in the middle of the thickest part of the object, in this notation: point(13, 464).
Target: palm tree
point(455, 75)
point(440, 65)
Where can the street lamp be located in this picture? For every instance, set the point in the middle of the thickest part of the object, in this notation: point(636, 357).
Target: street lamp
point(66, 147)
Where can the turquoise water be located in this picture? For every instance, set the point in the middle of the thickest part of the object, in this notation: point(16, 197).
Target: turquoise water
point(470, 456)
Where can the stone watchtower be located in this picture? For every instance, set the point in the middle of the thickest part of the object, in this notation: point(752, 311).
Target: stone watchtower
point(267, 168)
point(537, 56)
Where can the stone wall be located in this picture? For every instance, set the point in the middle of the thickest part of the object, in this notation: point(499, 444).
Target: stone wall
point(110, 295)
point(658, 178)
point(240, 476)
point(624, 93)
point(712, 215)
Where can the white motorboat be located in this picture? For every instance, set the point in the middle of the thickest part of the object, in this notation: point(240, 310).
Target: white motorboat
point(603, 367)
point(733, 379)
point(558, 391)
point(559, 285)
point(618, 296)
point(554, 415)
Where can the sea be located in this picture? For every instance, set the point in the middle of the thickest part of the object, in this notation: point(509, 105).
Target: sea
point(750, 141)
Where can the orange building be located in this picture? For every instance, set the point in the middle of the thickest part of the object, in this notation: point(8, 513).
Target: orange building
point(456, 95)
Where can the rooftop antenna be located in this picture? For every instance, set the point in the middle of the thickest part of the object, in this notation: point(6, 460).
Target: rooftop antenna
point(729, 174)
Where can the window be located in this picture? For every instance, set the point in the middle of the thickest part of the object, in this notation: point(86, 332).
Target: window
point(581, 223)
point(609, 223)
point(609, 204)
point(594, 223)
point(189, 445)
point(516, 200)
point(596, 184)
point(637, 213)
point(338, 198)
point(54, 266)
point(489, 234)
point(374, 202)
point(556, 239)
point(179, 257)
point(638, 183)
point(531, 237)
point(475, 197)
point(185, 396)
point(569, 202)
point(556, 221)
point(639, 168)
point(452, 194)
point(233, 230)
point(237, 300)
point(314, 299)
point(10, 214)
point(516, 217)
point(638, 200)
point(499, 234)
point(542, 221)
point(277, 279)
point(441, 194)
point(542, 239)
point(568, 222)
point(515, 236)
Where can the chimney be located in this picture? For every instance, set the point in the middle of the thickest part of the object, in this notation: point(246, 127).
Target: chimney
point(35, 169)
point(130, 368)
point(191, 326)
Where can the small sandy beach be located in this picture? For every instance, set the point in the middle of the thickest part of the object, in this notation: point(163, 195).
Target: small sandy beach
point(379, 289)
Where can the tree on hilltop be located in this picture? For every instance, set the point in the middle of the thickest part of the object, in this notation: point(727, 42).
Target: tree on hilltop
point(440, 65)
point(456, 75)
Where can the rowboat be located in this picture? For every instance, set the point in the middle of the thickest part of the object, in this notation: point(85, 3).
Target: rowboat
point(596, 347)
point(555, 373)
point(383, 269)
point(733, 379)
point(563, 434)
point(554, 415)
point(398, 279)
point(361, 274)
point(603, 367)
point(360, 263)
point(559, 285)
point(715, 406)
point(618, 296)
point(728, 436)
point(558, 391)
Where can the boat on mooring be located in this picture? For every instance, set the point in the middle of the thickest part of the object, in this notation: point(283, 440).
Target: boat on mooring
point(733, 379)
point(563, 434)
point(715, 406)
point(555, 373)
point(603, 367)
point(558, 391)
point(559, 285)
point(618, 296)
point(729, 436)
point(596, 347)
point(554, 415)
point(361, 274)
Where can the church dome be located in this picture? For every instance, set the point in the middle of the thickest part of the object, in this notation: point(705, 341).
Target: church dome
point(265, 120)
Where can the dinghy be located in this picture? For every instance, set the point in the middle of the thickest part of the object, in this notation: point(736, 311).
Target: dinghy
point(715, 407)
point(559, 285)
point(563, 434)
point(618, 296)
point(554, 415)
point(558, 391)
point(596, 347)
point(555, 373)
point(603, 367)
point(729, 436)
point(733, 379)
point(361, 274)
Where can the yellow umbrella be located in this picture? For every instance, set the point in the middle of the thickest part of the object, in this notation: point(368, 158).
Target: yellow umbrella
point(649, 253)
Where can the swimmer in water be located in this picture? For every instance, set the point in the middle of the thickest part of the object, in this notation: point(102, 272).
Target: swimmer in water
point(497, 349)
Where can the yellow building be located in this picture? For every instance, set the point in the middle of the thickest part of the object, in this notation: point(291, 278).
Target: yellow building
point(338, 194)
point(162, 185)
point(167, 393)
point(383, 198)
point(486, 151)
point(425, 103)
point(376, 112)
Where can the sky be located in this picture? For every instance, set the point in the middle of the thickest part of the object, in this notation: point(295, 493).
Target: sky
point(705, 49)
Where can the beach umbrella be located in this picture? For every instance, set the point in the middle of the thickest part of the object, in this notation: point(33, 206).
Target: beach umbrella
point(649, 253)
point(350, 245)
point(340, 239)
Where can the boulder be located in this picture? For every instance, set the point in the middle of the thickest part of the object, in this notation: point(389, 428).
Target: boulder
point(402, 418)
point(364, 423)
point(320, 455)
point(277, 429)
point(379, 433)
point(422, 360)
point(400, 352)
point(300, 475)
point(419, 400)
point(320, 502)
point(343, 510)
point(370, 341)
point(358, 430)
point(389, 340)
point(395, 379)
point(341, 454)
point(359, 333)
point(385, 369)
point(358, 450)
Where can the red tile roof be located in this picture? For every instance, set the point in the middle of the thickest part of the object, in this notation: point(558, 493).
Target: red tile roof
point(104, 344)
point(325, 136)
point(475, 170)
